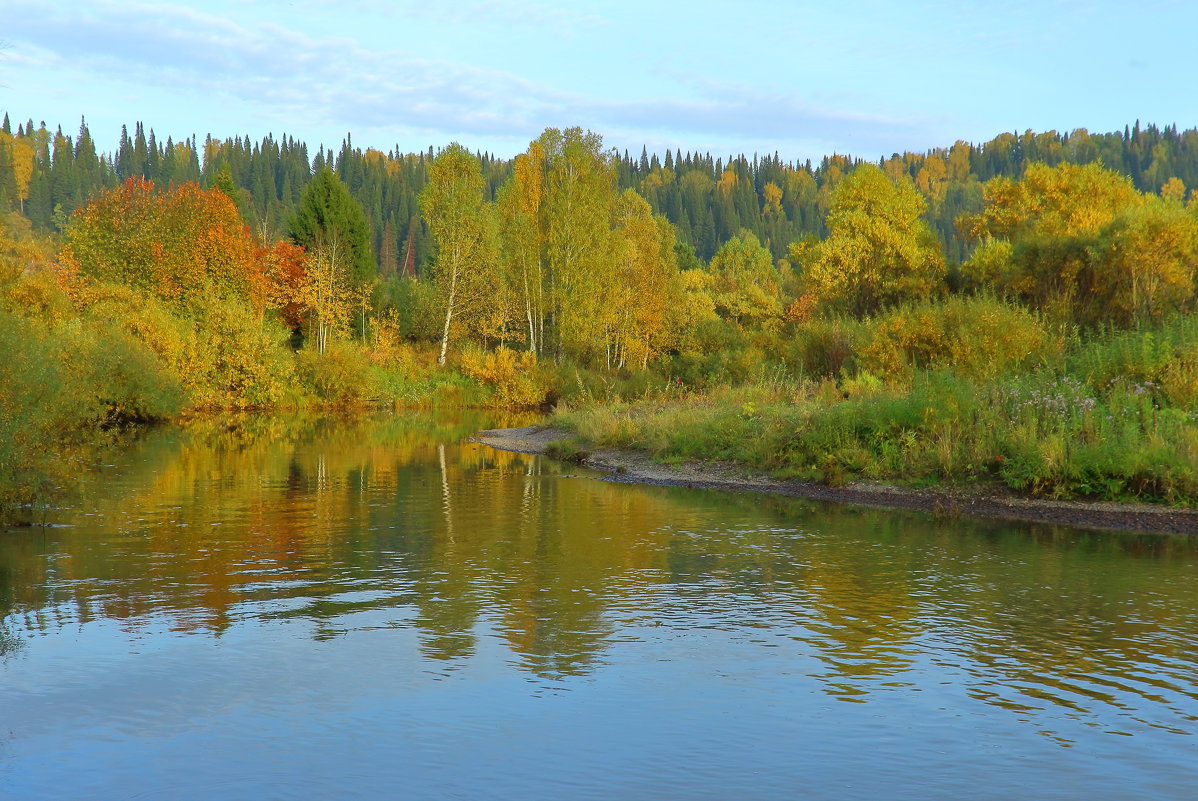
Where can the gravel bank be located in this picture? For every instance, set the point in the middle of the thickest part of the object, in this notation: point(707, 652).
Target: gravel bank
point(638, 468)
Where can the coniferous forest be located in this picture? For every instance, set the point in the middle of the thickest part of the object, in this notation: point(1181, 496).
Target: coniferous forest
point(1018, 312)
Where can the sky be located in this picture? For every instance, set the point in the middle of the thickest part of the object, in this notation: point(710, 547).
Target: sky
point(802, 78)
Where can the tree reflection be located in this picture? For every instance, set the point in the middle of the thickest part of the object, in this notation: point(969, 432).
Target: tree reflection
point(361, 524)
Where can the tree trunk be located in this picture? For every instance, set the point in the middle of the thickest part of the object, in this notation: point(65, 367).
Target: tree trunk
point(453, 287)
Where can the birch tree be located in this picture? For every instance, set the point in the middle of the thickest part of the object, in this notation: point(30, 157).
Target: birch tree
point(579, 196)
point(462, 227)
point(522, 239)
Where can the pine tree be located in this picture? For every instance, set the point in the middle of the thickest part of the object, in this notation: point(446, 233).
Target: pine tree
point(224, 183)
point(139, 165)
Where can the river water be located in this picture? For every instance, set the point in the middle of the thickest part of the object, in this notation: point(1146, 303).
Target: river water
point(371, 609)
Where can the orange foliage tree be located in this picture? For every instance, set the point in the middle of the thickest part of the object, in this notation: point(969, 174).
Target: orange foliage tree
point(182, 245)
point(284, 274)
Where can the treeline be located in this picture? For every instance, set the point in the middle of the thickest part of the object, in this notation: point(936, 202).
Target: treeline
point(47, 175)
point(560, 274)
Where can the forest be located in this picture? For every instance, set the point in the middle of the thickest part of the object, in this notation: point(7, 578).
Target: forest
point(1016, 313)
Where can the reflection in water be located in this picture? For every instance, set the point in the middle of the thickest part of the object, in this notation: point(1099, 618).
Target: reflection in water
point(342, 528)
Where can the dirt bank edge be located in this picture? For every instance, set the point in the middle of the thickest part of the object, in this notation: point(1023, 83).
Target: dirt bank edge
point(638, 468)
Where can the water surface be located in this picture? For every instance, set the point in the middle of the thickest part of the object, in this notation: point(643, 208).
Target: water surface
point(372, 609)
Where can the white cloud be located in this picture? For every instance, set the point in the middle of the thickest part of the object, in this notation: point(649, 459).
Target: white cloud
point(330, 81)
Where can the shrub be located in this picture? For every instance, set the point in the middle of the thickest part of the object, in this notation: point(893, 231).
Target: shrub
point(111, 378)
point(826, 346)
point(977, 337)
point(515, 379)
point(235, 358)
point(340, 376)
point(224, 354)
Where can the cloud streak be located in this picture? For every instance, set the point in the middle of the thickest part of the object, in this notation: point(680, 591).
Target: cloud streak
point(289, 75)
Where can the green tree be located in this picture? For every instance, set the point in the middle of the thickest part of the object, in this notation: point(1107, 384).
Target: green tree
point(745, 286)
point(9, 195)
point(224, 184)
point(328, 213)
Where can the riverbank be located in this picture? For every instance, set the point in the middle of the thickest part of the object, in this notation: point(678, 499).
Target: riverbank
point(639, 468)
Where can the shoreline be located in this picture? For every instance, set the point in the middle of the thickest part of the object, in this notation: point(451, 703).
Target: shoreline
point(634, 467)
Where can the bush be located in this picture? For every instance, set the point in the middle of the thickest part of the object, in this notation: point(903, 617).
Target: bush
point(339, 377)
point(111, 378)
point(59, 387)
point(224, 354)
point(825, 346)
point(31, 411)
point(235, 358)
point(977, 337)
point(514, 378)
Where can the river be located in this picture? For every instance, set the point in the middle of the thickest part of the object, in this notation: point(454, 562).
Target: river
point(371, 608)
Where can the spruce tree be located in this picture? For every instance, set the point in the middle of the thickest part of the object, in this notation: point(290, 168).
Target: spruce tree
point(9, 198)
point(327, 213)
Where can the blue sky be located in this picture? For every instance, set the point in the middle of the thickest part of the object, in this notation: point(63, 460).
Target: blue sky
point(802, 78)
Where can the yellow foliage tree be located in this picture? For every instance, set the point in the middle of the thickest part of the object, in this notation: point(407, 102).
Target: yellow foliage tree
point(1144, 265)
point(1174, 189)
point(932, 179)
point(879, 251)
point(958, 162)
point(522, 240)
point(1079, 242)
point(772, 195)
point(645, 289)
point(325, 292)
point(1051, 202)
point(463, 227)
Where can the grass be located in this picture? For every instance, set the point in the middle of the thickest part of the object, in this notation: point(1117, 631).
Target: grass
point(1043, 434)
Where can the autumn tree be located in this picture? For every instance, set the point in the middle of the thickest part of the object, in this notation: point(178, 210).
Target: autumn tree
point(1174, 189)
point(325, 292)
point(1144, 265)
point(745, 287)
point(932, 179)
point(463, 231)
point(522, 240)
point(879, 251)
point(1051, 202)
point(556, 234)
point(646, 290)
point(285, 274)
point(181, 245)
point(1083, 244)
point(579, 195)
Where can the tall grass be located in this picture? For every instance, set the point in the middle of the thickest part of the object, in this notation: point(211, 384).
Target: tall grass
point(1041, 434)
point(1160, 360)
